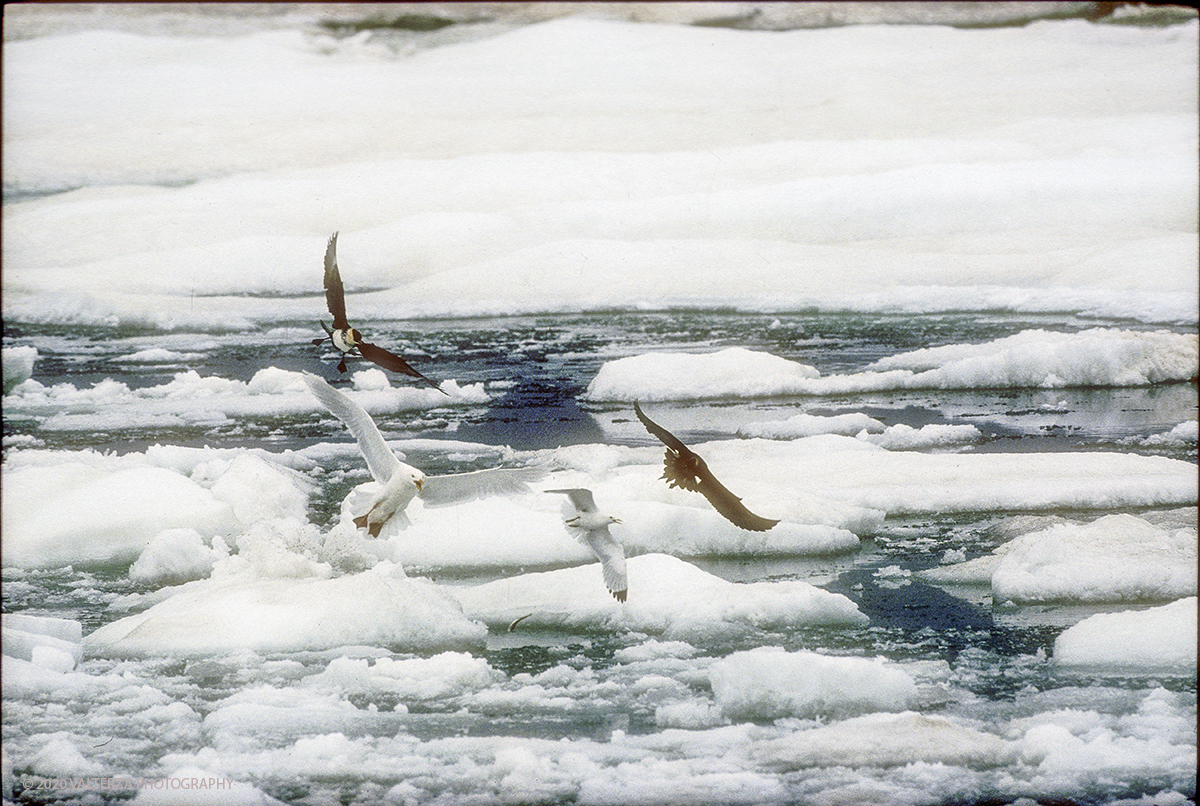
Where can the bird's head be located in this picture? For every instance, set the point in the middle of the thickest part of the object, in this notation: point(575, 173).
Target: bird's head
point(418, 478)
point(353, 337)
point(611, 519)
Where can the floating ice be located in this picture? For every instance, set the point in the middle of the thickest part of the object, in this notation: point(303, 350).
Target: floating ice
point(886, 740)
point(176, 555)
point(769, 683)
point(667, 597)
point(807, 425)
point(1157, 639)
point(18, 365)
point(904, 437)
point(26, 635)
point(76, 514)
point(191, 400)
point(1116, 558)
point(379, 607)
point(1032, 358)
point(733, 372)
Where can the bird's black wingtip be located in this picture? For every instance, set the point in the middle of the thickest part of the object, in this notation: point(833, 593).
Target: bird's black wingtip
point(620, 595)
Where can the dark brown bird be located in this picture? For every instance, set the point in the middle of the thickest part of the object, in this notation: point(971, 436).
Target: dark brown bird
point(683, 468)
point(345, 338)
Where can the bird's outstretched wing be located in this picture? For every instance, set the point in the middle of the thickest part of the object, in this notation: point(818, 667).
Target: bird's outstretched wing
point(387, 360)
point(729, 504)
point(581, 498)
point(664, 436)
point(455, 488)
point(335, 295)
point(382, 463)
point(612, 560)
point(684, 468)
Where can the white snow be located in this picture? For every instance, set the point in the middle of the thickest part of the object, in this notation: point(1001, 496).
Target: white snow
point(1149, 640)
point(588, 164)
point(1115, 558)
point(191, 400)
point(379, 607)
point(807, 425)
point(1032, 358)
point(18, 364)
point(886, 740)
point(905, 437)
point(667, 597)
point(759, 176)
point(769, 683)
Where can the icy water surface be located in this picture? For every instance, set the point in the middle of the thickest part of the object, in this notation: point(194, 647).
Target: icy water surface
point(619, 699)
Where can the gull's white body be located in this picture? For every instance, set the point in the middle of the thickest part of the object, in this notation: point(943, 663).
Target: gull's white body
point(402, 482)
point(593, 531)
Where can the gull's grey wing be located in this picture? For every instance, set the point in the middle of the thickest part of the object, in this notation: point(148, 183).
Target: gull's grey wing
point(612, 560)
point(455, 488)
point(382, 463)
point(389, 360)
point(580, 497)
point(335, 295)
point(730, 505)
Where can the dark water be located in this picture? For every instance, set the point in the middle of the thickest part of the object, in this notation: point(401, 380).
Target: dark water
point(537, 370)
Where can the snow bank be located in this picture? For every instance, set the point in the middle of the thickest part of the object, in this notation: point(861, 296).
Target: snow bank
point(769, 683)
point(667, 597)
point(1152, 640)
point(1030, 359)
point(378, 607)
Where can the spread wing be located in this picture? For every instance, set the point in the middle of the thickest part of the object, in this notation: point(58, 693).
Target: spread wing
point(387, 360)
point(335, 295)
point(730, 505)
point(456, 488)
point(683, 468)
point(665, 436)
point(612, 560)
point(382, 463)
point(581, 498)
point(681, 465)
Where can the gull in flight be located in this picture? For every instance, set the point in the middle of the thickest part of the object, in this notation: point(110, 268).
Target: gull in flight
point(402, 482)
point(593, 527)
point(683, 468)
point(345, 338)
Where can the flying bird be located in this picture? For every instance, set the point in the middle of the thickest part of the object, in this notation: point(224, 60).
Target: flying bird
point(593, 527)
point(683, 468)
point(402, 482)
point(345, 338)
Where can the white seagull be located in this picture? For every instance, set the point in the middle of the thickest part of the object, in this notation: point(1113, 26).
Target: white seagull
point(593, 527)
point(402, 482)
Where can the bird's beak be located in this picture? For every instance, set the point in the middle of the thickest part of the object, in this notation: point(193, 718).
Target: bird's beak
point(616, 520)
point(420, 484)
